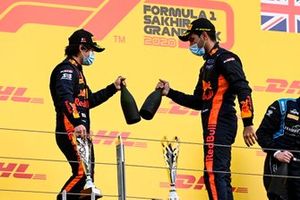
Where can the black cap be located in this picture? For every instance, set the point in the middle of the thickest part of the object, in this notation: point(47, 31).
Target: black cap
point(82, 36)
point(198, 25)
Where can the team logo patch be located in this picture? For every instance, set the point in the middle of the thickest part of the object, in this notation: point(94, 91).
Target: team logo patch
point(246, 108)
point(207, 90)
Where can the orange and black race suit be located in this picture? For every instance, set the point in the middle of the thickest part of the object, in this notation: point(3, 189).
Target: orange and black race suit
point(221, 79)
point(72, 100)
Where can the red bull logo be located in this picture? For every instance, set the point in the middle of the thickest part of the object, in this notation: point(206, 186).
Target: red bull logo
point(246, 108)
point(207, 90)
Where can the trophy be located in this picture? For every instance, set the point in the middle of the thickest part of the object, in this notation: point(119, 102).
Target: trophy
point(170, 151)
point(84, 149)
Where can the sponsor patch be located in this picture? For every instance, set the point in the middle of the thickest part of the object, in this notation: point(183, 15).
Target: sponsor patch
point(209, 66)
point(294, 111)
point(269, 113)
point(291, 116)
point(210, 61)
point(66, 71)
point(66, 76)
point(229, 59)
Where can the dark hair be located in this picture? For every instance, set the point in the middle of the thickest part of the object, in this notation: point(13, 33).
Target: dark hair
point(211, 35)
point(72, 50)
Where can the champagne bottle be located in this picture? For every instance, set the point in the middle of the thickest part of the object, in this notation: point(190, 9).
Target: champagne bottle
point(278, 184)
point(151, 104)
point(129, 106)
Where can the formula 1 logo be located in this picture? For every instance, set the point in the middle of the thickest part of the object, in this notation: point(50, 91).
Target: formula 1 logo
point(18, 170)
point(97, 16)
point(16, 94)
point(165, 19)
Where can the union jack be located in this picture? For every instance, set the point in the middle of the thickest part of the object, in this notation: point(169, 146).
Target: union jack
point(280, 15)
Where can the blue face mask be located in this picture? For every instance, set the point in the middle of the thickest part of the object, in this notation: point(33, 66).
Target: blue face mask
point(89, 60)
point(196, 50)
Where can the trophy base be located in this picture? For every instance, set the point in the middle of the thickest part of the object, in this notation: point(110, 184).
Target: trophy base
point(173, 196)
point(85, 194)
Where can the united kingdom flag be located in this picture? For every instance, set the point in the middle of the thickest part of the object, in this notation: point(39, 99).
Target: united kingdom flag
point(280, 15)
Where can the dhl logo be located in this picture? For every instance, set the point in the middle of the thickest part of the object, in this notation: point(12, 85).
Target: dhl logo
point(279, 86)
point(110, 138)
point(260, 153)
point(16, 94)
point(16, 170)
point(176, 109)
point(97, 16)
point(186, 181)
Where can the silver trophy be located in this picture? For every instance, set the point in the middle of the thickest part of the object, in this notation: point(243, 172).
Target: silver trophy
point(84, 148)
point(170, 151)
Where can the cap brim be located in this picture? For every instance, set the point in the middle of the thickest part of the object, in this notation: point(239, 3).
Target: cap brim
point(185, 37)
point(98, 49)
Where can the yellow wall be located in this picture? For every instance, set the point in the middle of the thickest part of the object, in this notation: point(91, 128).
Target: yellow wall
point(33, 35)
